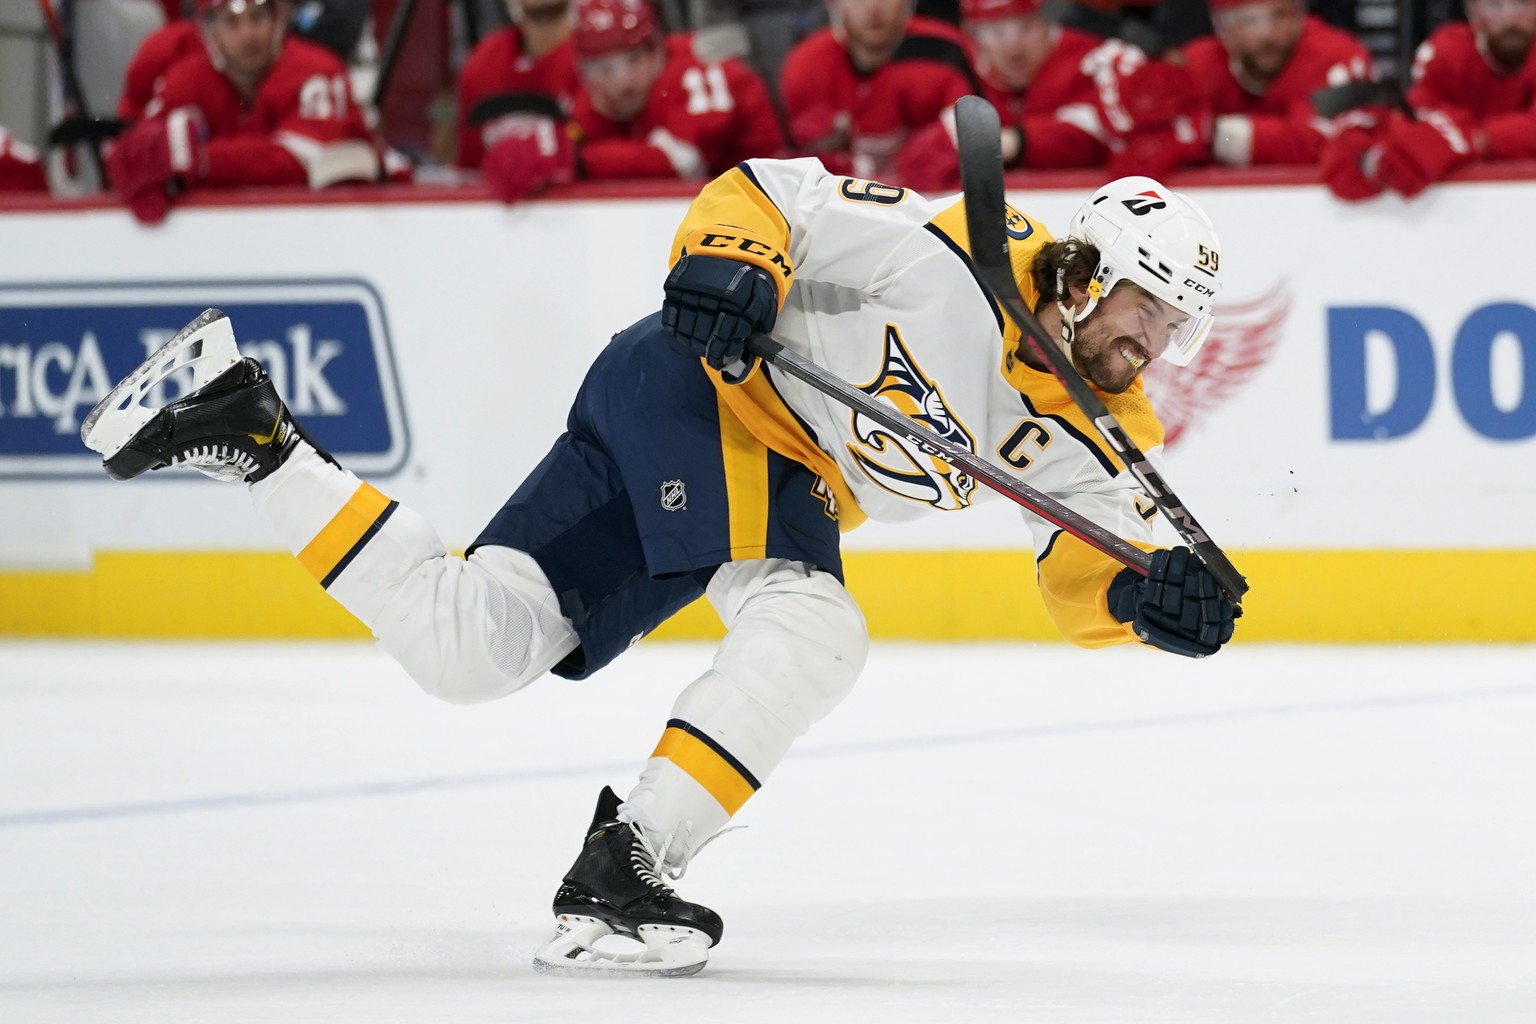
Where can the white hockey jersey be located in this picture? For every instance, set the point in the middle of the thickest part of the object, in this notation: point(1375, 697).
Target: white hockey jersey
point(877, 287)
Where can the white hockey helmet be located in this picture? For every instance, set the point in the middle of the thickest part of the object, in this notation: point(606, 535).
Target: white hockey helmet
point(1159, 240)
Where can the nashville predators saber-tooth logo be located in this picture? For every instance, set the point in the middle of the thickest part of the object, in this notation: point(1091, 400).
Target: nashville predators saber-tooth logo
point(892, 461)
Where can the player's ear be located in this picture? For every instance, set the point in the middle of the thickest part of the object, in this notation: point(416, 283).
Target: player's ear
point(1076, 298)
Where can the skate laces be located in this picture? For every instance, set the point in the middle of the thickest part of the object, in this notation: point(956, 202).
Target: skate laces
point(220, 461)
point(650, 863)
point(645, 860)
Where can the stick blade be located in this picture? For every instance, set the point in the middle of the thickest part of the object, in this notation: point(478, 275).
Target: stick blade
point(978, 137)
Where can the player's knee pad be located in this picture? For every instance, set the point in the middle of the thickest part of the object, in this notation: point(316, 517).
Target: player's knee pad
point(472, 631)
point(796, 640)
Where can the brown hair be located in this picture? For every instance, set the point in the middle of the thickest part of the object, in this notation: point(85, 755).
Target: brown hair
point(1069, 260)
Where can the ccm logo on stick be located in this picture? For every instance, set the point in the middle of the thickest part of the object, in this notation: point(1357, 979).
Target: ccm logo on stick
point(325, 343)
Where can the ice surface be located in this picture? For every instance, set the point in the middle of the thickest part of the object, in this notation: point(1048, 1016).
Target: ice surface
point(205, 833)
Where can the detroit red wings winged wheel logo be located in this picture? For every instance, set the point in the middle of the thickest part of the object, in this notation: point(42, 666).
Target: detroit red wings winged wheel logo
point(1242, 340)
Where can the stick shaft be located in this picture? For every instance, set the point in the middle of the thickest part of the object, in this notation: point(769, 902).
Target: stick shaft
point(981, 172)
point(74, 95)
point(931, 443)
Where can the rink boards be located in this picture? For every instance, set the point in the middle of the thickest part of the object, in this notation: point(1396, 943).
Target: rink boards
point(1358, 434)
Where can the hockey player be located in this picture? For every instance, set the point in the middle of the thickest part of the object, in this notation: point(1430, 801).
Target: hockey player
point(254, 108)
point(855, 92)
point(527, 68)
point(690, 468)
point(648, 107)
point(1066, 99)
point(1258, 73)
point(1473, 98)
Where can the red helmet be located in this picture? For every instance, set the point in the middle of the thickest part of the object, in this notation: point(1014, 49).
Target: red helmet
point(605, 26)
point(992, 10)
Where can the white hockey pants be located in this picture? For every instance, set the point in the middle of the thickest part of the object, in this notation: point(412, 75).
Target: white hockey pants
point(470, 630)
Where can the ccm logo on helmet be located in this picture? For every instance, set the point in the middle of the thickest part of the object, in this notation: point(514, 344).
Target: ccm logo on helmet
point(1190, 282)
point(1143, 203)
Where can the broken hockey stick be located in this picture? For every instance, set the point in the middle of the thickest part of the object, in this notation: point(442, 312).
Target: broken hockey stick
point(932, 444)
point(981, 173)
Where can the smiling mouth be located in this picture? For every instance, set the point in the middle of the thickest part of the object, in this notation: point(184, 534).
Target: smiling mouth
point(1132, 356)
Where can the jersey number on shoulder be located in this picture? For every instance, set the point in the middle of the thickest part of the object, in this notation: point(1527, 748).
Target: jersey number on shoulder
point(708, 91)
point(323, 98)
point(857, 190)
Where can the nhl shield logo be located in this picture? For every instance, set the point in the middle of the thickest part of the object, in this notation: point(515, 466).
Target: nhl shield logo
point(674, 497)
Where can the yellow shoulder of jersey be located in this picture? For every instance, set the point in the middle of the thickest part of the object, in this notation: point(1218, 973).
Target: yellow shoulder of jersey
point(1026, 236)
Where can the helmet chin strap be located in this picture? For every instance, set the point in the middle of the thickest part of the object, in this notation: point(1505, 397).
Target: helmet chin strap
point(1068, 326)
point(1070, 319)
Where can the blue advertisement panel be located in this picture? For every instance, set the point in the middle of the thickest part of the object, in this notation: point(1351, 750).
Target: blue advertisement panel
point(324, 343)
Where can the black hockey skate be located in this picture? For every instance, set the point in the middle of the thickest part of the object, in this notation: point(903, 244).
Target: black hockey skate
point(231, 424)
point(616, 915)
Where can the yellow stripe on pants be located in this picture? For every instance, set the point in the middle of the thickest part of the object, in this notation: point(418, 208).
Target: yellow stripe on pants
point(342, 533)
point(746, 485)
point(707, 767)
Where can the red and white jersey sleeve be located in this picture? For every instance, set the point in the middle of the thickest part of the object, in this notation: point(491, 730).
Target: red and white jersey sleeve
point(155, 56)
point(301, 126)
point(1286, 129)
point(1455, 88)
point(701, 118)
point(1088, 97)
point(929, 71)
point(21, 166)
point(498, 67)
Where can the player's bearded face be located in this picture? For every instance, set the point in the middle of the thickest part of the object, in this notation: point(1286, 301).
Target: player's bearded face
point(874, 24)
point(620, 83)
point(1261, 35)
point(1505, 28)
point(1127, 330)
point(245, 36)
point(1011, 50)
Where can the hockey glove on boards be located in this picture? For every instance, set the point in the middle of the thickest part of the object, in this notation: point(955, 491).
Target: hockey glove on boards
point(530, 153)
point(154, 160)
point(1349, 163)
point(1176, 607)
point(715, 304)
point(1416, 154)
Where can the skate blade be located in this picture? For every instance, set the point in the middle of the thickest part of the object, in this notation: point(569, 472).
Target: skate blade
point(586, 946)
point(205, 348)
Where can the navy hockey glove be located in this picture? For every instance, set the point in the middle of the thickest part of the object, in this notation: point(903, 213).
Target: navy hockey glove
point(1177, 606)
point(716, 304)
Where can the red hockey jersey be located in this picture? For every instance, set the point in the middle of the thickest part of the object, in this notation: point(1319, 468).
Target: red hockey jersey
point(1497, 110)
point(288, 133)
point(930, 70)
point(1074, 110)
point(1286, 128)
point(498, 67)
point(701, 119)
point(159, 51)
